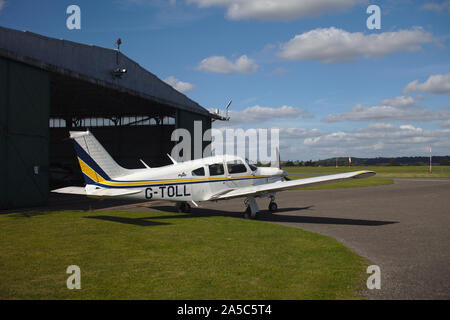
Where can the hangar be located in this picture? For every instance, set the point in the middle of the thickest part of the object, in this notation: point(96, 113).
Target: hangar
point(49, 86)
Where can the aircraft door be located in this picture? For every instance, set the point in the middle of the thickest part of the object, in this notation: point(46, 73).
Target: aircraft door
point(217, 178)
point(238, 174)
point(198, 186)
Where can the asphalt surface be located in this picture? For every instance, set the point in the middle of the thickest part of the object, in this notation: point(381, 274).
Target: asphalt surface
point(403, 228)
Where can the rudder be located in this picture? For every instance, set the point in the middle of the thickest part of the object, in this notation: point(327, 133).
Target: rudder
point(95, 162)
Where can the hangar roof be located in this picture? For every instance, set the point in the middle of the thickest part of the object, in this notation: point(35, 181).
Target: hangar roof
point(92, 64)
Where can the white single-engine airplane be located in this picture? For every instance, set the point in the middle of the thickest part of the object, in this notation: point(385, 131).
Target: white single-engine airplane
point(208, 179)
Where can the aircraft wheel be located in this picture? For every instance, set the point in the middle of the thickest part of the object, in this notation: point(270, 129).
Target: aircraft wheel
point(247, 213)
point(273, 206)
point(184, 207)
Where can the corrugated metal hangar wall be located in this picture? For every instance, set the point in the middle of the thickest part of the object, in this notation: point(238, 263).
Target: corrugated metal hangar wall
point(24, 134)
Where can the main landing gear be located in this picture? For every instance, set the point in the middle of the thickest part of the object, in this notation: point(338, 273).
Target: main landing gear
point(252, 207)
point(183, 207)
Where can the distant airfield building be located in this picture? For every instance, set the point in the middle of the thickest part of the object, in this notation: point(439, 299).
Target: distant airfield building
point(50, 86)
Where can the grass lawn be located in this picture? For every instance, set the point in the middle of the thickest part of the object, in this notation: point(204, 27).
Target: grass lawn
point(157, 255)
point(383, 177)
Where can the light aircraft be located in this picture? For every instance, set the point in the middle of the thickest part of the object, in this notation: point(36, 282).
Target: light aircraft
point(209, 179)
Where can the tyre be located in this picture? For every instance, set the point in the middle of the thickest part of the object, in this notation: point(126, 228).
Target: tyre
point(247, 213)
point(273, 207)
point(184, 207)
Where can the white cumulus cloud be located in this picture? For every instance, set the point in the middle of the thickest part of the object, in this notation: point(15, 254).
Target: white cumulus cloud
point(258, 114)
point(400, 108)
point(446, 124)
point(399, 102)
point(438, 83)
point(331, 45)
point(375, 140)
point(220, 64)
point(276, 9)
point(436, 6)
point(179, 85)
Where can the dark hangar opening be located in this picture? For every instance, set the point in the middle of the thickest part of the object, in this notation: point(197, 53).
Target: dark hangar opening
point(129, 127)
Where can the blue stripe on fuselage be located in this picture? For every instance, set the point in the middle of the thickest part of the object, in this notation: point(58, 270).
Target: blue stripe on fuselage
point(171, 183)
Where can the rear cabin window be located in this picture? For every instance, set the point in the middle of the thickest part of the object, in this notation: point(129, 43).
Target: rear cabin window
point(236, 167)
point(199, 172)
point(216, 169)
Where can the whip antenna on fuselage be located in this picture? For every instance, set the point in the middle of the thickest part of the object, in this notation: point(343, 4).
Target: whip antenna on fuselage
point(173, 160)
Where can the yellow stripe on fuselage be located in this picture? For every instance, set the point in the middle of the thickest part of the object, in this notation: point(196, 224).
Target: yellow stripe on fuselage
point(87, 170)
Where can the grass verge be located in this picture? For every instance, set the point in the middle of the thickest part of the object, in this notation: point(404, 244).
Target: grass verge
point(156, 255)
point(384, 175)
point(382, 171)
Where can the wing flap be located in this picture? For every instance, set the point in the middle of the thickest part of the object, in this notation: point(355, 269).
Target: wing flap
point(285, 185)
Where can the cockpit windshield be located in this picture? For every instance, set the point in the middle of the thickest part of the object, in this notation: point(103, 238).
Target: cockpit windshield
point(252, 167)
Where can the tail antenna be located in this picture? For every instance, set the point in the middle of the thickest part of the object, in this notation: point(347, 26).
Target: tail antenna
point(226, 110)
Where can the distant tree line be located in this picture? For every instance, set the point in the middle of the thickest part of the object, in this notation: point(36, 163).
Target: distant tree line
point(397, 161)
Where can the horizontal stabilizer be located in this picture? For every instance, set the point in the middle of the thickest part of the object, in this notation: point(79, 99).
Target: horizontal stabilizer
point(71, 190)
point(112, 193)
point(96, 193)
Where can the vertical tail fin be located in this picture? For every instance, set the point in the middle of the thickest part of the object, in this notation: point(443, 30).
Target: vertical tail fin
point(95, 162)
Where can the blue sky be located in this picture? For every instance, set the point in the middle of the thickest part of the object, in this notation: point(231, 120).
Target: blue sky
point(333, 87)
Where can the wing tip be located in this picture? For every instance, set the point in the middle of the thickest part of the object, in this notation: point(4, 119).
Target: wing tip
point(364, 174)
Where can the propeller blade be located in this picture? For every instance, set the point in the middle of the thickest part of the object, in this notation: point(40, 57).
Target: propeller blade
point(278, 158)
point(276, 164)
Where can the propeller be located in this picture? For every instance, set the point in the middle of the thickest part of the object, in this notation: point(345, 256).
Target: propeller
point(277, 164)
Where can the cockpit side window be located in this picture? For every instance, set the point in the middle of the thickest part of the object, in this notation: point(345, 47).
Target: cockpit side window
point(236, 167)
point(216, 169)
point(198, 172)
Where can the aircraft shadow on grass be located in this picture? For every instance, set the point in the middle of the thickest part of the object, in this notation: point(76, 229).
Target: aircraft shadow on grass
point(262, 216)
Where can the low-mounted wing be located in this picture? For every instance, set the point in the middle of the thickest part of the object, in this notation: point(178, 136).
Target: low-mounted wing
point(285, 185)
